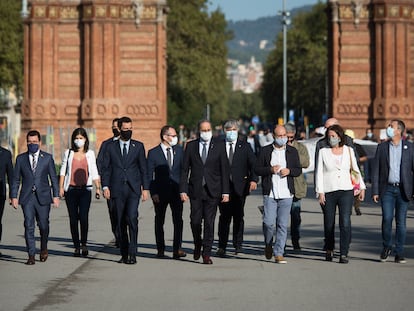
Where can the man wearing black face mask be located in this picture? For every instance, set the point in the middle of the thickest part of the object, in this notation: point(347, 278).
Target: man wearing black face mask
point(124, 179)
point(36, 169)
point(100, 163)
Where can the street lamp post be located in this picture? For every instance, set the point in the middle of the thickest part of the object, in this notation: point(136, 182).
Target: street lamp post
point(285, 23)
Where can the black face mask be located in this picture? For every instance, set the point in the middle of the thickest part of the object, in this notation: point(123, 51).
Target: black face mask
point(126, 135)
point(115, 132)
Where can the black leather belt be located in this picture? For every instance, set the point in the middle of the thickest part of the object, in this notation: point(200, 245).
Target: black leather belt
point(394, 184)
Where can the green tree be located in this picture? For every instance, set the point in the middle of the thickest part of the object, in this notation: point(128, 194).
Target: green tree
point(306, 68)
point(11, 46)
point(197, 58)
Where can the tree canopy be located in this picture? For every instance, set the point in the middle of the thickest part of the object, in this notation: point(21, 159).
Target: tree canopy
point(197, 59)
point(306, 68)
point(11, 46)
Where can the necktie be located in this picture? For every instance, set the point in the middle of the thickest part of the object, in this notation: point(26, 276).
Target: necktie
point(124, 151)
point(204, 153)
point(231, 153)
point(34, 162)
point(169, 157)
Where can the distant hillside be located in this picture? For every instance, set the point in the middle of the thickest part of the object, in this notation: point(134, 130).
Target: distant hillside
point(256, 37)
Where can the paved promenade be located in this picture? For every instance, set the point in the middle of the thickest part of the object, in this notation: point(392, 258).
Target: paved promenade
point(243, 282)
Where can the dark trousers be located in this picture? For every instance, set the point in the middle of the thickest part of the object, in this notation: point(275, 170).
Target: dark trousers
point(295, 220)
point(232, 209)
point(126, 206)
point(2, 202)
point(33, 210)
point(176, 205)
point(112, 218)
point(344, 200)
point(78, 203)
point(204, 207)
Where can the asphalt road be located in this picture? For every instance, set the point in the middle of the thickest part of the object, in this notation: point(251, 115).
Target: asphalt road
point(243, 282)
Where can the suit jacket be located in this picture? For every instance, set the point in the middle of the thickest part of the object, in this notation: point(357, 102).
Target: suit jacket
point(242, 167)
point(133, 171)
point(215, 171)
point(6, 168)
point(44, 179)
point(381, 167)
point(263, 167)
point(101, 154)
point(160, 174)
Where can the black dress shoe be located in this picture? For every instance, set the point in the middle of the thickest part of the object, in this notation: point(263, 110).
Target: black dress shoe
point(269, 251)
point(207, 260)
point(123, 259)
point(30, 261)
point(160, 254)
point(43, 255)
point(179, 254)
point(85, 251)
point(76, 253)
point(221, 252)
point(328, 255)
point(197, 252)
point(132, 260)
point(238, 250)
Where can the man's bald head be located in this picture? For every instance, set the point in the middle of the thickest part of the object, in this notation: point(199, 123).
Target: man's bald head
point(330, 122)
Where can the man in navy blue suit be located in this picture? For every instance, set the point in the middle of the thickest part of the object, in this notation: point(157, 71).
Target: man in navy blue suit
point(36, 171)
point(124, 179)
point(392, 184)
point(205, 181)
point(164, 170)
point(6, 168)
point(100, 164)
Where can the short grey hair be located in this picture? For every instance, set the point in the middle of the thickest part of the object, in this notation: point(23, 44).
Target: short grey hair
point(290, 128)
point(231, 123)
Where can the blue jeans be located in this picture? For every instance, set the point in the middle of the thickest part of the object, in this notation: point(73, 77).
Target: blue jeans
point(344, 200)
point(275, 219)
point(390, 201)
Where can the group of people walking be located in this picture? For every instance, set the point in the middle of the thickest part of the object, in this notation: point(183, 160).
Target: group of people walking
point(211, 173)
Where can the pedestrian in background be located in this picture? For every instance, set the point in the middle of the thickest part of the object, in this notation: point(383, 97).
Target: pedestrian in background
point(100, 163)
point(35, 175)
point(300, 185)
point(78, 173)
point(334, 188)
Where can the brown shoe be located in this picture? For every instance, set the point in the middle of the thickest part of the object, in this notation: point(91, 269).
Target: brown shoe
point(30, 261)
point(179, 254)
point(207, 260)
point(43, 255)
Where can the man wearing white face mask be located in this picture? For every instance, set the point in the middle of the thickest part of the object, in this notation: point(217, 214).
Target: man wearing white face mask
point(205, 181)
point(164, 171)
point(243, 180)
point(277, 164)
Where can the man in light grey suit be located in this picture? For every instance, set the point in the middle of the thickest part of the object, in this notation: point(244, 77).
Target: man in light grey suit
point(36, 171)
point(392, 184)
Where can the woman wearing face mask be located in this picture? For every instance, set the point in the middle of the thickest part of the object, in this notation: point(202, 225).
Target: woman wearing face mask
point(334, 188)
point(77, 174)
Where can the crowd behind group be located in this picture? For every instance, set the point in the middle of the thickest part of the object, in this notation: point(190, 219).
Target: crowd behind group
point(210, 172)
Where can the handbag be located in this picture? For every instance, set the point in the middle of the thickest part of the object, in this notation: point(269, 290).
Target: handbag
point(355, 177)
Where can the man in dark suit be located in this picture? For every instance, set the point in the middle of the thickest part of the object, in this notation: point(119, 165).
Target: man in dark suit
point(6, 168)
point(100, 163)
point(164, 170)
point(37, 173)
point(208, 184)
point(392, 184)
point(124, 175)
point(243, 180)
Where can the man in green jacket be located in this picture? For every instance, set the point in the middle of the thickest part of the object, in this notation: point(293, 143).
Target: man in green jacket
point(300, 186)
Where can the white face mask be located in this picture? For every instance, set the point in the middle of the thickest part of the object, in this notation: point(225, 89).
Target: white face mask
point(206, 136)
point(173, 141)
point(79, 143)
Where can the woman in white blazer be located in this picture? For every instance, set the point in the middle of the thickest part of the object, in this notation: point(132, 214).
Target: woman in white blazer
point(334, 188)
point(77, 175)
